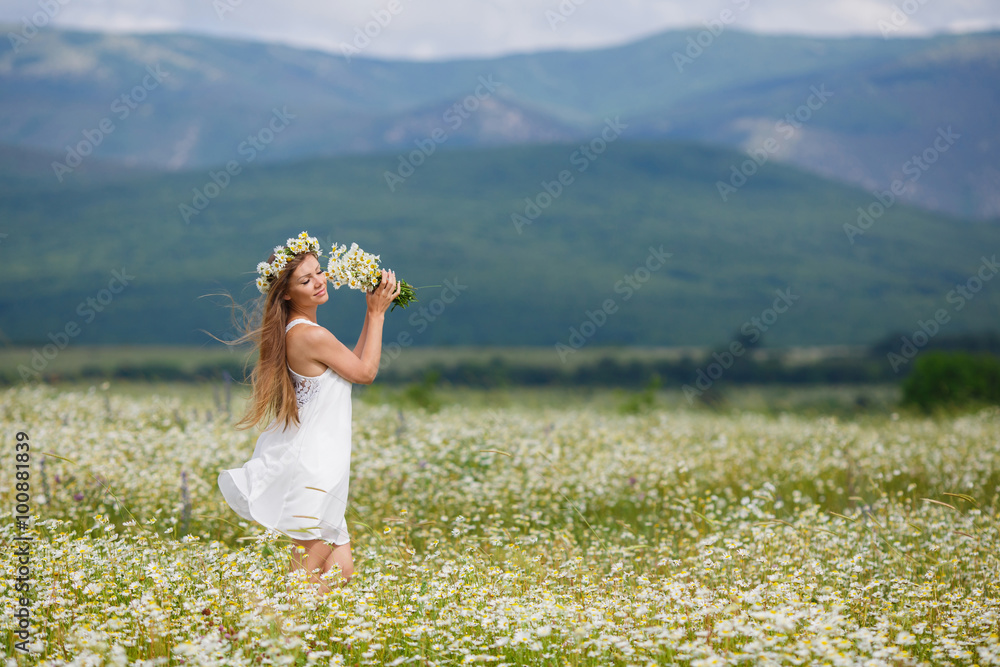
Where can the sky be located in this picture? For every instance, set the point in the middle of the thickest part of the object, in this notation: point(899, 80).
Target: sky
point(442, 29)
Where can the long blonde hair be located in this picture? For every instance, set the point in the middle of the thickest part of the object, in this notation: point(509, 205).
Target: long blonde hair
point(272, 391)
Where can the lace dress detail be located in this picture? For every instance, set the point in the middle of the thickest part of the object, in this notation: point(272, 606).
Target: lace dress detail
point(305, 386)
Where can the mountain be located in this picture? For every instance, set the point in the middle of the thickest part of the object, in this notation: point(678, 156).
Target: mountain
point(525, 245)
point(177, 101)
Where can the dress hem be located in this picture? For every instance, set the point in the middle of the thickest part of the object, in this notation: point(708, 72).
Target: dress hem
point(237, 499)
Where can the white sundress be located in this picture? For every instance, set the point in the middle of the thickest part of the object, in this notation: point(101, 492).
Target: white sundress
point(296, 482)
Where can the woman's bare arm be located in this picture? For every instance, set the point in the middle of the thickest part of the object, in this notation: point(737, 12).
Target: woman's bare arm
point(358, 368)
point(324, 347)
point(360, 347)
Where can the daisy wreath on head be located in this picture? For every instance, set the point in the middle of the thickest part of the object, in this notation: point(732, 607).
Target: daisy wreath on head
point(268, 272)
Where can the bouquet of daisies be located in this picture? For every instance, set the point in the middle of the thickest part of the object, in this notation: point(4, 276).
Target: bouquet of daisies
point(360, 270)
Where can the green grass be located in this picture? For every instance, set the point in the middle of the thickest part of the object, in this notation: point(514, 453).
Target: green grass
point(106, 358)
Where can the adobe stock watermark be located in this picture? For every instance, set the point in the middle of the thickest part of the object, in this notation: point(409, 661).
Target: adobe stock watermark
point(21, 567)
point(758, 156)
point(581, 158)
point(563, 11)
point(30, 25)
point(914, 168)
point(697, 45)
point(249, 149)
point(87, 310)
point(958, 297)
point(900, 16)
point(363, 35)
point(453, 117)
point(420, 320)
point(223, 7)
point(752, 330)
point(122, 106)
point(629, 284)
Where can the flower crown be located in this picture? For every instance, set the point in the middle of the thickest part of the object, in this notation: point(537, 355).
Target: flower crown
point(267, 273)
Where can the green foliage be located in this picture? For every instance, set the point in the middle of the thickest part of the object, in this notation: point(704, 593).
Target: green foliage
point(373, 394)
point(952, 379)
point(422, 393)
point(451, 221)
point(642, 401)
point(488, 367)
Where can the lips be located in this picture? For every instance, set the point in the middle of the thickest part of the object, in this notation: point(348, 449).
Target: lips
point(321, 292)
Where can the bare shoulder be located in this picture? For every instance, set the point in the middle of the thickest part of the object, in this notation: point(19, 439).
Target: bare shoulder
point(309, 332)
point(308, 337)
point(303, 347)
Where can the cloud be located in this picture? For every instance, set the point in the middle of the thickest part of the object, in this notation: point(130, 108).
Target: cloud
point(433, 29)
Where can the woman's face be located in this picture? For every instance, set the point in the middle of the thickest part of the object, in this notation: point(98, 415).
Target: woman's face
point(307, 286)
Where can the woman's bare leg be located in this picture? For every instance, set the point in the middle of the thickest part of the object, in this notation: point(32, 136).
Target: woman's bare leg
point(313, 560)
point(340, 559)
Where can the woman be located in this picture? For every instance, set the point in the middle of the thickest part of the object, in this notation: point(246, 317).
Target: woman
point(297, 480)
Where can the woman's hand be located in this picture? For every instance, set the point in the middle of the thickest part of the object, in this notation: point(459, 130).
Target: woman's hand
point(382, 296)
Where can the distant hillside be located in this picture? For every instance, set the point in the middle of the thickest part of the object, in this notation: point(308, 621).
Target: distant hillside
point(181, 101)
point(24, 170)
point(450, 224)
